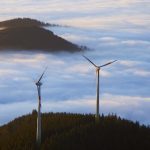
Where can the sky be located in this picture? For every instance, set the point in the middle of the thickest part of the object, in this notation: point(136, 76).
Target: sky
point(112, 29)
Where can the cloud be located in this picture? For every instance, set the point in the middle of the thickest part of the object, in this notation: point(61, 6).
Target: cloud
point(8, 72)
point(122, 21)
point(134, 68)
point(129, 63)
point(108, 39)
point(79, 68)
point(72, 6)
point(136, 43)
point(11, 110)
point(29, 59)
point(89, 14)
point(141, 72)
point(130, 107)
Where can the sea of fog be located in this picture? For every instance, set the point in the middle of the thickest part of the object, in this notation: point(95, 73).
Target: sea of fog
point(69, 84)
point(112, 30)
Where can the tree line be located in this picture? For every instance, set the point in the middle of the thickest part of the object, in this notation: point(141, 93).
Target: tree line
point(66, 131)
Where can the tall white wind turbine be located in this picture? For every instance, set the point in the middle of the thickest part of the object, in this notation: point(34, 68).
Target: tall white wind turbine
point(98, 68)
point(38, 133)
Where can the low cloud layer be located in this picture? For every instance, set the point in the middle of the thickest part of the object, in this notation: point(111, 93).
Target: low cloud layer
point(129, 107)
point(112, 29)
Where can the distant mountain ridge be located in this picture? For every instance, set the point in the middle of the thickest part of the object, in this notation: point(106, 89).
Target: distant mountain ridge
point(24, 22)
point(30, 34)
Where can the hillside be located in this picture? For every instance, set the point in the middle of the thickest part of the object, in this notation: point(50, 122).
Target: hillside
point(34, 38)
point(29, 34)
point(22, 22)
point(63, 131)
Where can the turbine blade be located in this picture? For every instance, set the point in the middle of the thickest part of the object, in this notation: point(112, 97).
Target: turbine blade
point(89, 60)
point(42, 75)
point(107, 63)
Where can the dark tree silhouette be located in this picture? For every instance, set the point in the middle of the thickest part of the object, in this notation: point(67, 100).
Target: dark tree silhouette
point(62, 131)
point(23, 22)
point(30, 34)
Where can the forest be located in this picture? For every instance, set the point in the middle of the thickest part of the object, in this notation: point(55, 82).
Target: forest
point(30, 34)
point(23, 22)
point(66, 131)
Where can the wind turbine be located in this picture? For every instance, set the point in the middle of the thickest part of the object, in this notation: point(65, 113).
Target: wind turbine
point(38, 133)
point(98, 68)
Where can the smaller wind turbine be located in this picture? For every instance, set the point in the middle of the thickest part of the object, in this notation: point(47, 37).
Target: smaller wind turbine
point(38, 133)
point(98, 68)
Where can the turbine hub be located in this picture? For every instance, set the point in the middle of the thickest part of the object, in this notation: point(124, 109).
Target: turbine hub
point(38, 83)
point(97, 68)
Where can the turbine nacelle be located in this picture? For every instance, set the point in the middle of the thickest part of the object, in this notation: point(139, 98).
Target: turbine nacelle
point(38, 83)
point(98, 68)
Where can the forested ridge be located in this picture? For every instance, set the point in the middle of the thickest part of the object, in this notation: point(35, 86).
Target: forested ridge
point(23, 22)
point(64, 131)
point(30, 34)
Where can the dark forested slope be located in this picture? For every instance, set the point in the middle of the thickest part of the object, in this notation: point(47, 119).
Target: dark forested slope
point(61, 131)
point(34, 38)
point(30, 34)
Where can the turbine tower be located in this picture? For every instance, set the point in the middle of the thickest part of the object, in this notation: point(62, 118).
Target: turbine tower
point(98, 68)
point(38, 133)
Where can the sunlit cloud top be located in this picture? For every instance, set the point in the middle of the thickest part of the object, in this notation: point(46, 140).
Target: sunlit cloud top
point(83, 13)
